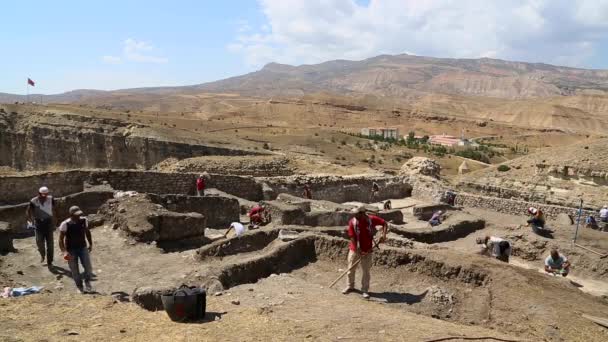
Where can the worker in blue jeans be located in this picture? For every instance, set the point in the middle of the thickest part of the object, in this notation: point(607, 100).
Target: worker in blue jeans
point(73, 236)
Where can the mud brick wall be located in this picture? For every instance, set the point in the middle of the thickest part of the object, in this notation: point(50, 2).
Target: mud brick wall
point(340, 189)
point(177, 183)
point(19, 189)
point(515, 207)
point(219, 211)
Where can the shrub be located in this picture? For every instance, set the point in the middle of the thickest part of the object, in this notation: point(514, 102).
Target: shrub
point(266, 146)
point(503, 168)
point(343, 142)
point(316, 134)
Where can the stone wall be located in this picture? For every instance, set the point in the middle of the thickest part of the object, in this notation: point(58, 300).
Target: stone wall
point(515, 207)
point(88, 201)
point(257, 166)
point(219, 211)
point(177, 183)
point(340, 189)
point(20, 189)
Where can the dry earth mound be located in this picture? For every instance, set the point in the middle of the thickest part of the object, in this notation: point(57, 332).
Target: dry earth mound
point(560, 176)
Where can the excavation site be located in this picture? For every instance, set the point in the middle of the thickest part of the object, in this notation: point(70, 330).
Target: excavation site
point(280, 273)
point(338, 184)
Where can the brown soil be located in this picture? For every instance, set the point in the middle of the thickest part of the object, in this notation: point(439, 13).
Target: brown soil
point(475, 292)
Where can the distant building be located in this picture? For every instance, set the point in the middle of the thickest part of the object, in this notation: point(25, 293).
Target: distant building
point(386, 133)
point(463, 168)
point(465, 142)
point(444, 140)
point(450, 141)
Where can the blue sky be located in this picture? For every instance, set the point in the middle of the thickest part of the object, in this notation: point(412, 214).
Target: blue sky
point(65, 45)
point(61, 44)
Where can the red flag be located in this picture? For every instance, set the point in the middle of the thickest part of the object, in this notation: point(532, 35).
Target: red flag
point(30, 82)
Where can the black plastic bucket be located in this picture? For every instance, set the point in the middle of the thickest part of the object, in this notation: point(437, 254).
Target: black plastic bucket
point(185, 304)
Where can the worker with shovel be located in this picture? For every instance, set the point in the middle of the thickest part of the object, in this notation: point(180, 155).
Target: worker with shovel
point(361, 230)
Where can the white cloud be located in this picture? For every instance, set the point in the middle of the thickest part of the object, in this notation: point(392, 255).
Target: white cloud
point(311, 31)
point(111, 59)
point(135, 51)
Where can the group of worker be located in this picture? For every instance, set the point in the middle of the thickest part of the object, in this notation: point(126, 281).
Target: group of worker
point(499, 248)
point(537, 218)
point(76, 243)
point(75, 240)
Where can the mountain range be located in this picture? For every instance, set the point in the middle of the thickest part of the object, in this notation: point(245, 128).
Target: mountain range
point(388, 75)
point(517, 93)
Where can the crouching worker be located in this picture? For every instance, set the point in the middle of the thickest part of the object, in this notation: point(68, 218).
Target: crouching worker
point(388, 205)
point(537, 218)
point(436, 218)
point(73, 236)
point(496, 247)
point(361, 231)
point(258, 216)
point(557, 263)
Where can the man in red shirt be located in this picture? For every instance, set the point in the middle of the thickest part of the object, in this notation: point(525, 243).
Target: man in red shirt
point(256, 215)
point(200, 185)
point(361, 230)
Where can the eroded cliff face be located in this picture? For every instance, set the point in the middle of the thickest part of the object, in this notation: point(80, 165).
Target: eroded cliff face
point(44, 140)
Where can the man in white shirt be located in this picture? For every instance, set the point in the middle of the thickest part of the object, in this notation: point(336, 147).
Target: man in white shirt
point(41, 214)
point(498, 248)
point(238, 227)
point(604, 214)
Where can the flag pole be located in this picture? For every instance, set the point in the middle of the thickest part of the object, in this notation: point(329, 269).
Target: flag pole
point(27, 92)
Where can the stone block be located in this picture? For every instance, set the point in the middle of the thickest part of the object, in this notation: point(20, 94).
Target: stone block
point(149, 298)
point(284, 213)
point(393, 215)
point(219, 211)
point(173, 226)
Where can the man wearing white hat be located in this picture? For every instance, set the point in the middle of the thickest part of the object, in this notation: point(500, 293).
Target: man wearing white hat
point(361, 230)
point(73, 236)
point(41, 213)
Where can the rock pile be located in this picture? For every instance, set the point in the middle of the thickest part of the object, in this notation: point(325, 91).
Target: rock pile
point(421, 166)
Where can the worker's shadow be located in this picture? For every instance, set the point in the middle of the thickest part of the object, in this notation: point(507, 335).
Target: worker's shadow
point(58, 270)
point(396, 297)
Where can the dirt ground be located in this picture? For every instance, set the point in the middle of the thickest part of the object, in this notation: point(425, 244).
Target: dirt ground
point(119, 265)
point(279, 308)
point(430, 297)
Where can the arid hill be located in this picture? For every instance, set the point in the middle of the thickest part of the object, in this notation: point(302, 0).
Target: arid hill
point(402, 75)
point(392, 88)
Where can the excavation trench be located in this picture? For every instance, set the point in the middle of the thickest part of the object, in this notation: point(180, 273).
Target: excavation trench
point(414, 280)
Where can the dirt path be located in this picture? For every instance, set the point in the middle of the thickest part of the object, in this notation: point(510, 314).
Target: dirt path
point(118, 265)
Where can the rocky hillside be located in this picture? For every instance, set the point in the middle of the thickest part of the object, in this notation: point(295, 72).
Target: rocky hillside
point(32, 140)
point(405, 74)
point(560, 175)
